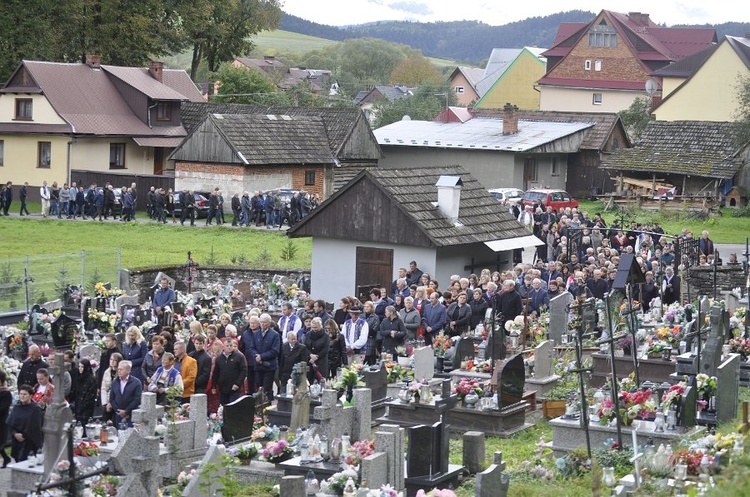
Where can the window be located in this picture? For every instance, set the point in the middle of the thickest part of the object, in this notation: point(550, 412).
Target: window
point(117, 156)
point(2, 153)
point(24, 108)
point(597, 98)
point(602, 36)
point(587, 65)
point(555, 168)
point(164, 111)
point(459, 89)
point(45, 155)
point(597, 65)
point(309, 178)
point(530, 169)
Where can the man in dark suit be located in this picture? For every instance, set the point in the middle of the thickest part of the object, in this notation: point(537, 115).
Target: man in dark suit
point(22, 196)
point(125, 394)
point(230, 372)
point(670, 287)
point(265, 349)
point(204, 364)
point(29, 367)
point(8, 197)
point(510, 303)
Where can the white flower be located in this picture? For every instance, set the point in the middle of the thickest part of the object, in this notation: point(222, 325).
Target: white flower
point(519, 320)
point(160, 430)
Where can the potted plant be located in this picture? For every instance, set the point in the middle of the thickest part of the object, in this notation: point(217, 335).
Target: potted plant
point(246, 452)
point(277, 452)
point(554, 401)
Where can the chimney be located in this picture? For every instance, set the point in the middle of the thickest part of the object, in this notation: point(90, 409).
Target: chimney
point(93, 61)
point(639, 18)
point(510, 119)
point(155, 69)
point(449, 196)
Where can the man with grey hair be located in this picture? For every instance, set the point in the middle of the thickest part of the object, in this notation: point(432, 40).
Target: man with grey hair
point(264, 350)
point(124, 394)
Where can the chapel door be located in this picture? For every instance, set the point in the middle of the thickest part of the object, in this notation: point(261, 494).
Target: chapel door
point(158, 160)
point(374, 269)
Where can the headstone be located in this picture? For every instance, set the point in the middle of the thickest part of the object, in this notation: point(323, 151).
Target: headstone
point(332, 416)
point(196, 487)
point(123, 280)
point(727, 393)
point(92, 351)
point(688, 404)
point(730, 300)
point(711, 352)
point(492, 482)
point(148, 414)
point(63, 330)
point(238, 416)
point(56, 416)
point(137, 458)
point(362, 420)
point(446, 389)
point(199, 415)
point(377, 381)
point(375, 469)
point(389, 439)
point(511, 380)
point(473, 449)
point(424, 363)
point(160, 276)
point(125, 300)
point(588, 316)
point(543, 366)
point(464, 351)
point(301, 402)
point(292, 486)
point(428, 450)
point(558, 316)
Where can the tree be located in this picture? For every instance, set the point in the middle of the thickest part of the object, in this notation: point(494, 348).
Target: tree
point(424, 105)
point(415, 71)
point(742, 116)
point(220, 30)
point(368, 61)
point(247, 86)
point(636, 117)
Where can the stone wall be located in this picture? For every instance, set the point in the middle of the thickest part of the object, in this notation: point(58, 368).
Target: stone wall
point(141, 280)
point(701, 280)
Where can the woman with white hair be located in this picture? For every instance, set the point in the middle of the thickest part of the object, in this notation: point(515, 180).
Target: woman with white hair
point(134, 350)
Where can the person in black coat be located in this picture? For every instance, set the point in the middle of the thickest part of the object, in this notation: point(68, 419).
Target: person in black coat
point(25, 424)
point(204, 364)
point(291, 354)
point(6, 399)
point(29, 367)
point(318, 343)
point(236, 209)
point(85, 399)
point(479, 306)
point(337, 357)
point(8, 197)
point(22, 196)
point(648, 291)
point(670, 286)
point(230, 371)
point(392, 331)
point(459, 316)
point(510, 303)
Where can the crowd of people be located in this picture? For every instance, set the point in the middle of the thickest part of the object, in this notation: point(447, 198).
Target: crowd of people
point(267, 208)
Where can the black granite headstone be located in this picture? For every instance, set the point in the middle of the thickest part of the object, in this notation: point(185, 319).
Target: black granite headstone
point(377, 381)
point(63, 330)
point(238, 419)
point(428, 450)
point(464, 351)
point(511, 380)
point(100, 304)
point(687, 407)
point(36, 327)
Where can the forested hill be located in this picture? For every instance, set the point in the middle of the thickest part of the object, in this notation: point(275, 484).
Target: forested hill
point(469, 41)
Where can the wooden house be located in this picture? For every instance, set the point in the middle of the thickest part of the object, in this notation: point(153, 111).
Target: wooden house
point(439, 216)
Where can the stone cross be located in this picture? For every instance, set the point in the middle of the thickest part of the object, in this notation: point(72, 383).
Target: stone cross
point(56, 416)
point(137, 458)
point(57, 371)
point(301, 402)
point(148, 414)
point(492, 482)
point(331, 415)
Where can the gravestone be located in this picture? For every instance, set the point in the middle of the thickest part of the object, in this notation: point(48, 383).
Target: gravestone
point(588, 316)
point(543, 365)
point(375, 469)
point(160, 276)
point(428, 450)
point(473, 451)
point(464, 351)
point(123, 280)
point(361, 423)
point(123, 300)
point(292, 486)
point(301, 402)
point(510, 381)
point(730, 300)
point(492, 482)
point(389, 439)
point(688, 404)
point(63, 330)
point(206, 485)
point(56, 416)
point(198, 414)
point(149, 413)
point(137, 458)
point(711, 352)
point(93, 352)
point(424, 363)
point(558, 316)
point(238, 419)
point(377, 381)
point(728, 388)
point(53, 305)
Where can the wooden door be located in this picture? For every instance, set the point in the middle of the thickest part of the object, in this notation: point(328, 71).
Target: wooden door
point(374, 268)
point(158, 160)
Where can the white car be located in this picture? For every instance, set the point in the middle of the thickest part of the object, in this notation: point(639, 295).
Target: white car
point(503, 194)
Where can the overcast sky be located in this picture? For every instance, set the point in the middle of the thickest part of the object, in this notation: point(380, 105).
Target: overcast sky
point(498, 12)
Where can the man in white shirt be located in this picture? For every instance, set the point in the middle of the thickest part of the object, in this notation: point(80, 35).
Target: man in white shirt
point(44, 193)
point(288, 321)
point(355, 332)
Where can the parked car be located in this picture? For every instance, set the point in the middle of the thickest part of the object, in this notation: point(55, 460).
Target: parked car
point(201, 205)
point(503, 194)
point(117, 209)
point(557, 199)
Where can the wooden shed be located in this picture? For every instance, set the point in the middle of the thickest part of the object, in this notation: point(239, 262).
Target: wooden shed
point(736, 198)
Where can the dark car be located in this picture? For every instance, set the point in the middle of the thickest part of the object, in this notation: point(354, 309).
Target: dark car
point(201, 205)
point(557, 199)
point(117, 209)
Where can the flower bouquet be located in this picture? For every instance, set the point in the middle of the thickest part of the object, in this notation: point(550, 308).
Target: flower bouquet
point(266, 433)
point(184, 478)
point(337, 481)
point(441, 343)
point(216, 421)
point(358, 451)
point(105, 486)
point(669, 334)
point(516, 325)
point(467, 386)
point(632, 405)
point(673, 396)
point(245, 452)
point(350, 377)
point(396, 372)
point(436, 492)
point(86, 449)
point(740, 346)
point(657, 347)
point(276, 452)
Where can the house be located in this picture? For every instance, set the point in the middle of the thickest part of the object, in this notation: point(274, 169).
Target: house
point(704, 87)
point(607, 135)
point(510, 76)
point(498, 152)
point(58, 117)
point(697, 157)
point(463, 81)
point(317, 80)
point(603, 65)
point(351, 146)
point(366, 99)
point(439, 216)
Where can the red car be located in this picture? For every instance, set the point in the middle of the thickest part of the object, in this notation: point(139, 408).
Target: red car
point(558, 199)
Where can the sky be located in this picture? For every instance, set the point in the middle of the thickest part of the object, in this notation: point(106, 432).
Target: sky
point(499, 12)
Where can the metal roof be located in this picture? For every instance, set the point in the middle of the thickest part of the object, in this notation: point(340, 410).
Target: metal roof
point(478, 134)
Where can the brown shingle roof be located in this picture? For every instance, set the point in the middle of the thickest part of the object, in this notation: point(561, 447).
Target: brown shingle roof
point(696, 148)
point(141, 80)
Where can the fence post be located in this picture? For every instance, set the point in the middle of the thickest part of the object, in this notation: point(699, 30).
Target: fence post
point(119, 266)
point(83, 270)
point(26, 281)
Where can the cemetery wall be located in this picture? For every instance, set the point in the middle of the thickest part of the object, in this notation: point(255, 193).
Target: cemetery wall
point(701, 280)
point(141, 280)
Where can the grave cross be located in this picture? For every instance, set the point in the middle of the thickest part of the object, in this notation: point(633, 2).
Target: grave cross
point(579, 336)
point(630, 318)
point(610, 340)
point(57, 371)
point(301, 400)
point(636, 459)
point(328, 411)
point(148, 414)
